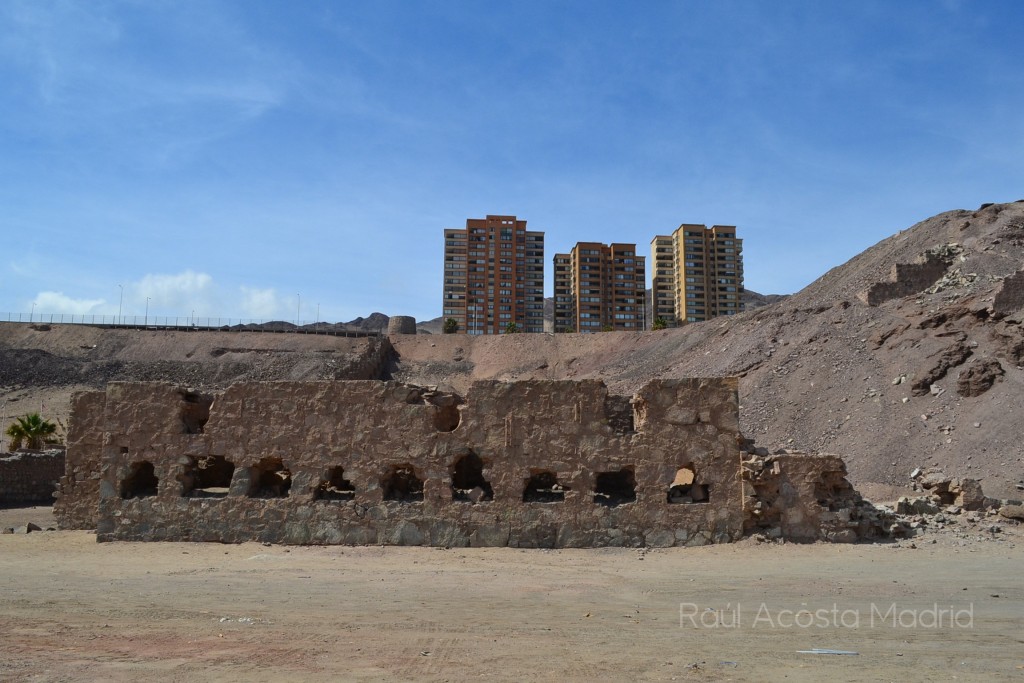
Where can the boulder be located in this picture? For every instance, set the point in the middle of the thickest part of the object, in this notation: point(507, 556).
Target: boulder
point(979, 377)
point(1012, 512)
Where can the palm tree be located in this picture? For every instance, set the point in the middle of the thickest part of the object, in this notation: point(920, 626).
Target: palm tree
point(31, 429)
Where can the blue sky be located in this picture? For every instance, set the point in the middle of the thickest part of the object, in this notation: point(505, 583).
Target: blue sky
point(248, 158)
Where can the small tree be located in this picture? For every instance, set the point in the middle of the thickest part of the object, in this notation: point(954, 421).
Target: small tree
point(31, 430)
point(659, 324)
point(607, 328)
point(451, 326)
point(511, 328)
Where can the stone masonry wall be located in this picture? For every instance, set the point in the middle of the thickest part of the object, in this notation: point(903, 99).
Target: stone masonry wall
point(1010, 297)
point(30, 477)
point(78, 490)
point(806, 497)
point(907, 279)
point(527, 464)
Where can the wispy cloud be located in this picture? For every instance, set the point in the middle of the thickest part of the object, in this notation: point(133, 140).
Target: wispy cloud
point(260, 303)
point(58, 302)
point(85, 72)
point(178, 292)
point(185, 294)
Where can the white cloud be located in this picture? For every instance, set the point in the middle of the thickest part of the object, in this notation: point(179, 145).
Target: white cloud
point(260, 303)
point(173, 295)
point(182, 292)
point(58, 302)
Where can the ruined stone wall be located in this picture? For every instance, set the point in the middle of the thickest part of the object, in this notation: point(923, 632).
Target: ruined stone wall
point(78, 489)
point(371, 363)
point(30, 477)
point(527, 464)
point(803, 497)
point(907, 279)
point(1010, 297)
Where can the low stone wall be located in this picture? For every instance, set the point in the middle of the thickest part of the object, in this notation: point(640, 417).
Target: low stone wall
point(29, 476)
point(526, 464)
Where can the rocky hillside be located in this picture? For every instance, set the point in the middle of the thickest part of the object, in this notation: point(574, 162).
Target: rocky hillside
point(908, 355)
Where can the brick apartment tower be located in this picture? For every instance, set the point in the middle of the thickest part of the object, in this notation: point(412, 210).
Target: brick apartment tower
point(599, 286)
point(698, 274)
point(494, 275)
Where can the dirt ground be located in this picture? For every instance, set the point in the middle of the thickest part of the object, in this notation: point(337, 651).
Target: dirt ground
point(75, 610)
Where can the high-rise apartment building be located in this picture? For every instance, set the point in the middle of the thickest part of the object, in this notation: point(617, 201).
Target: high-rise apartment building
point(663, 280)
point(599, 287)
point(494, 275)
point(698, 273)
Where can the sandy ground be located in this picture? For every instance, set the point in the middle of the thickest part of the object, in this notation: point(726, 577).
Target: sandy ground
point(75, 610)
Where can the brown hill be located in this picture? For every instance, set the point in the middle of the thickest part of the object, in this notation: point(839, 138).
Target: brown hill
point(884, 360)
point(908, 355)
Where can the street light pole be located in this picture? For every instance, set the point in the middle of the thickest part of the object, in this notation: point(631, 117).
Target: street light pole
point(33, 312)
point(146, 322)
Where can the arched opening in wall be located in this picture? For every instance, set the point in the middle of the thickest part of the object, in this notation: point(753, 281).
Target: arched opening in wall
point(195, 411)
point(447, 418)
point(684, 489)
point(615, 488)
point(543, 487)
point(335, 486)
point(402, 484)
point(207, 477)
point(270, 479)
point(468, 483)
point(141, 481)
